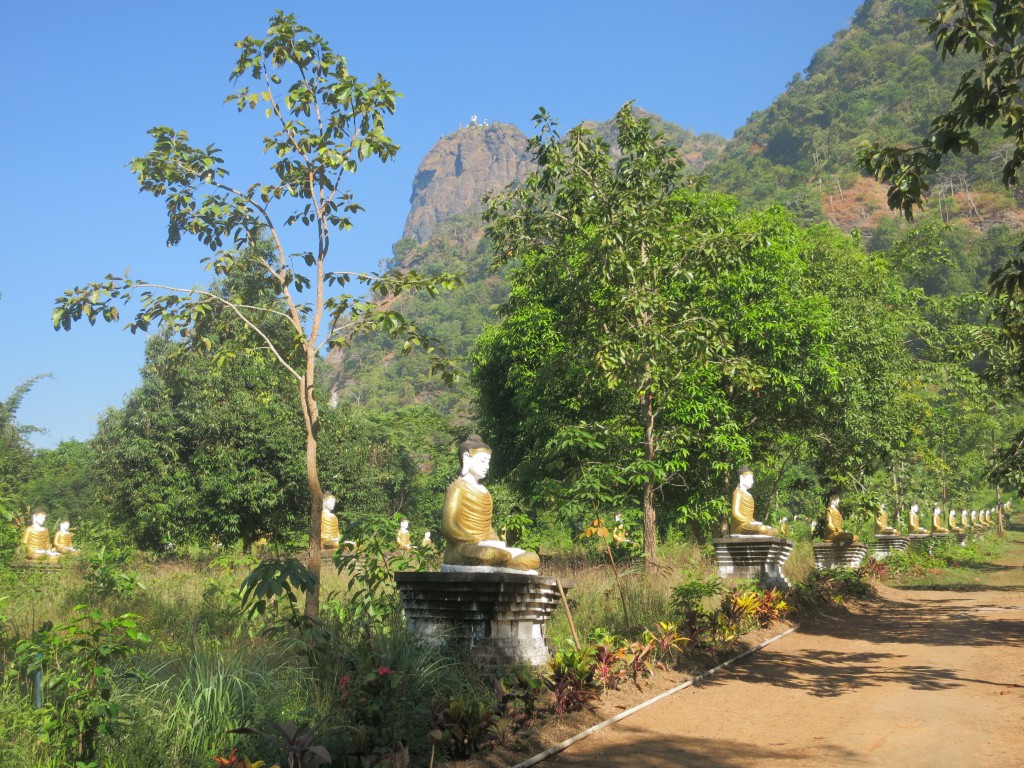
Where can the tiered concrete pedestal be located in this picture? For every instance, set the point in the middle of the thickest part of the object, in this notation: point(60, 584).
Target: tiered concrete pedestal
point(884, 544)
point(829, 554)
point(500, 614)
point(754, 557)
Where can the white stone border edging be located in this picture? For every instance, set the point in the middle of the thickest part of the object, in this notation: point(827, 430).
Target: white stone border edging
point(623, 715)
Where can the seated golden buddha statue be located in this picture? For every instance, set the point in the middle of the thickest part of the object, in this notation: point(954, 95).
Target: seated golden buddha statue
point(619, 531)
point(882, 527)
point(914, 525)
point(988, 518)
point(426, 543)
point(62, 539)
point(741, 521)
point(330, 534)
point(467, 519)
point(36, 540)
point(951, 522)
point(403, 538)
point(937, 526)
point(834, 523)
point(974, 519)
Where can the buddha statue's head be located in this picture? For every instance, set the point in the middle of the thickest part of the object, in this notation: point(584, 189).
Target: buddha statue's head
point(476, 457)
point(426, 535)
point(38, 517)
point(914, 509)
point(938, 510)
point(833, 500)
point(746, 477)
point(329, 502)
point(404, 525)
point(65, 526)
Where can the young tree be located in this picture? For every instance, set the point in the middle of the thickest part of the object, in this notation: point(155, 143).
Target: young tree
point(327, 123)
point(15, 450)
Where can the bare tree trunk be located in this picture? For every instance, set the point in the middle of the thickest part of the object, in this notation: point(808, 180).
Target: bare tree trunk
point(1000, 530)
point(311, 414)
point(650, 527)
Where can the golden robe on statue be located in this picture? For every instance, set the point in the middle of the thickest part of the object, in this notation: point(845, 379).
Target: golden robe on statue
point(742, 521)
point(37, 544)
point(467, 526)
point(834, 528)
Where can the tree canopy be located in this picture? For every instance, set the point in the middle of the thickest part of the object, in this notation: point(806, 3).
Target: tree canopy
point(655, 337)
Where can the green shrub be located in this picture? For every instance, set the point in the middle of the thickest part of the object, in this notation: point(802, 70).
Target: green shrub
point(829, 586)
point(75, 666)
point(105, 575)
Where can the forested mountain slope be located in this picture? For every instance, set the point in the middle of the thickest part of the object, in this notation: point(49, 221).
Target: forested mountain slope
point(878, 79)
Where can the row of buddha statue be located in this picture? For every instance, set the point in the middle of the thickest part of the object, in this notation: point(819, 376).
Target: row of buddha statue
point(35, 540)
point(742, 522)
point(948, 523)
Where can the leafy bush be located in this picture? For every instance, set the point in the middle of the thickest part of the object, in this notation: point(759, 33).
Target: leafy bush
point(75, 668)
point(273, 583)
point(829, 586)
point(369, 570)
point(572, 679)
point(693, 603)
point(105, 576)
point(462, 725)
point(771, 607)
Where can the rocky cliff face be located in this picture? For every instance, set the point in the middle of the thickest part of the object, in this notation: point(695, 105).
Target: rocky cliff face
point(460, 169)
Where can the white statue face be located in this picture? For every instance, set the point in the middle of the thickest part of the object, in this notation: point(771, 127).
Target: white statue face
point(426, 535)
point(938, 510)
point(64, 526)
point(329, 502)
point(476, 465)
point(405, 525)
point(833, 501)
point(38, 518)
point(914, 508)
point(747, 480)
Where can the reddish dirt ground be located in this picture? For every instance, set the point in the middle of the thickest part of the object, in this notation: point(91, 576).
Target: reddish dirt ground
point(914, 677)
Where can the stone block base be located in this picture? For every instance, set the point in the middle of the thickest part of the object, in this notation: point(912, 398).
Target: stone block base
point(501, 617)
point(754, 557)
point(884, 544)
point(37, 565)
point(828, 554)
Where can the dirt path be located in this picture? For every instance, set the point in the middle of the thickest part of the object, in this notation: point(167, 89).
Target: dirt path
point(914, 678)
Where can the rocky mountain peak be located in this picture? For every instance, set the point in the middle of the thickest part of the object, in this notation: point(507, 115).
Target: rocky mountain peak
point(460, 169)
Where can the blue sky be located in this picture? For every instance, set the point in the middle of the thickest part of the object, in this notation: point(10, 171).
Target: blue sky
point(88, 80)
